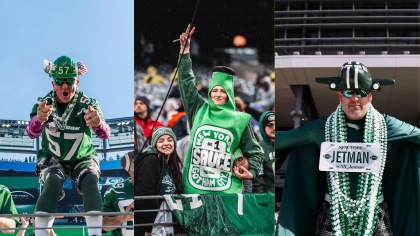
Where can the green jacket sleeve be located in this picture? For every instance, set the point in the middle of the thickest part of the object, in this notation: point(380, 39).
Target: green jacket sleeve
point(251, 150)
point(191, 99)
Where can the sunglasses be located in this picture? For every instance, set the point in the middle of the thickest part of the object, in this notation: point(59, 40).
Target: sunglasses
point(69, 82)
point(360, 92)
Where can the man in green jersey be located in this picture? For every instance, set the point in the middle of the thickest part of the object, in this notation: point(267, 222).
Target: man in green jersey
point(120, 198)
point(351, 201)
point(66, 118)
point(7, 206)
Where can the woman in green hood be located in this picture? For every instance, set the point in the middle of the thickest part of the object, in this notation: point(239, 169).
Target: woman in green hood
point(217, 132)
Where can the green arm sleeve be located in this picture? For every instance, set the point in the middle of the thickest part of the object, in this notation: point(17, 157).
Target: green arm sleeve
point(251, 150)
point(189, 93)
point(293, 138)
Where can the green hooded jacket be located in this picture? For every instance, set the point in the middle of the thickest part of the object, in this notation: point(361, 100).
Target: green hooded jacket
point(305, 186)
point(217, 132)
point(268, 151)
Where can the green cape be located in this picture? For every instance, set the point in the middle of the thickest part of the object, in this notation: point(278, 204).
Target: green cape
point(305, 185)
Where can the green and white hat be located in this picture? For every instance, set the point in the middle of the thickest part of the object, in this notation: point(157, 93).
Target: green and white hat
point(159, 131)
point(354, 75)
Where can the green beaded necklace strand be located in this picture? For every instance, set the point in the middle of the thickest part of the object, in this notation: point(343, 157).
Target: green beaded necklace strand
point(61, 122)
point(349, 215)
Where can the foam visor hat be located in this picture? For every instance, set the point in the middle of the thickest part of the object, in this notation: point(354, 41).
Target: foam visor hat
point(354, 75)
point(63, 67)
point(223, 76)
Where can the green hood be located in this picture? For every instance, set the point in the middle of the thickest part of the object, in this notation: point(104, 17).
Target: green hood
point(262, 130)
point(226, 81)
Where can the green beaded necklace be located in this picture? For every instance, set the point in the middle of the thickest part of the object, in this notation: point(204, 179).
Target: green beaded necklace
point(348, 215)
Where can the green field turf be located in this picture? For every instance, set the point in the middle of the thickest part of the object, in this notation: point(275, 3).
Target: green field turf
point(59, 232)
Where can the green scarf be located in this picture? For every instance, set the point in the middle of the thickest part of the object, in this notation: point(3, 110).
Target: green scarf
point(216, 132)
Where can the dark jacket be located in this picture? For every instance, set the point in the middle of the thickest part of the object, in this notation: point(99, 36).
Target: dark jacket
point(181, 127)
point(149, 173)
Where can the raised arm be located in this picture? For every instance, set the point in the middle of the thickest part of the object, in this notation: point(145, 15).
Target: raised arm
point(189, 93)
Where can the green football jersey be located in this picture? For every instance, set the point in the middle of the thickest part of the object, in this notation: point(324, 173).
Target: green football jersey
point(75, 142)
point(116, 199)
point(7, 206)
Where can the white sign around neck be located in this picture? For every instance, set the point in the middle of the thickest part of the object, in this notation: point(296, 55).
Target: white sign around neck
point(350, 157)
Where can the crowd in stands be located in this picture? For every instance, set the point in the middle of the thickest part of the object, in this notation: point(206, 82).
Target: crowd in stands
point(155, 83)
point(110, 158)
point(27, 160)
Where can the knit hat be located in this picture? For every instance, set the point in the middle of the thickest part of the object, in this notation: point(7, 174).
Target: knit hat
point(266, 118)
point(159, 131)
point(146, 101)
point(143, 99)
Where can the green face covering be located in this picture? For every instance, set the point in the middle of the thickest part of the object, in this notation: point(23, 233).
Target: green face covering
point(216, 133)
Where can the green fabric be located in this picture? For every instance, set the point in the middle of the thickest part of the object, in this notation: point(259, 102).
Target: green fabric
point(75, 142)
point(202, 214)
point(167, 186)
point(268, 154)
point(116, 199)
point(20, 182)
point(305, 185)
point(92, 199)
point(219, 214)
point(64, 67)
point(48, 199)
point(258, 212)
point(7, 206)
point(215, 130)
